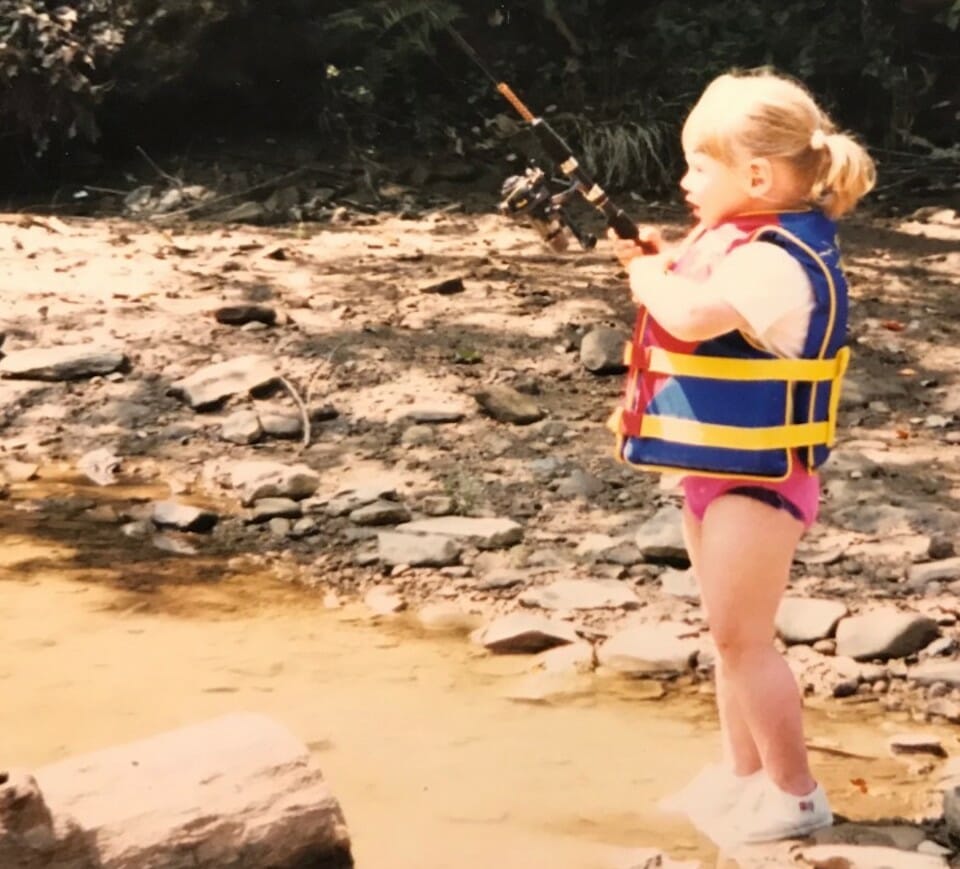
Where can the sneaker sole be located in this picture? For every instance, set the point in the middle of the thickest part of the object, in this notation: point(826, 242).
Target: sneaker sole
point(797, 832)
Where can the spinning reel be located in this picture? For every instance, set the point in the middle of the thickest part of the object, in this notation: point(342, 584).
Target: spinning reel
point(529, 197)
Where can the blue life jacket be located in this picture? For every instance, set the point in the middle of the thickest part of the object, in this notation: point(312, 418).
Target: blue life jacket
point(726, 406)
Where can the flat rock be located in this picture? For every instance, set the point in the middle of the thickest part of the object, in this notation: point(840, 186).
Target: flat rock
point(384, 602)
point(932, 671)
point(680, 583)
point(210, 385)
point(902, 836)
point(183, 517)
point(20, 472)
point(199, 796)
point(520, 633)
point(827, 549)
point(345, 501)
point(263, 479)
point(582, 594)
point(238, 315)
point(265, 509)
point(660, 538)
point(501, 579)
point(916, 743)
point(417, 550)
point(434, 415)
point(641, 650)
point(946, 570)
point(445, 287)
point(277, 424)
point(380, 513)
point(868, 857)
point(505, 404)
point(484, 533)
point(806, 620)
point(242, 427)
point(885, 633)
point(73, 362)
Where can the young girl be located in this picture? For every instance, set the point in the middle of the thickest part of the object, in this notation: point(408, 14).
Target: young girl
point(734, 382)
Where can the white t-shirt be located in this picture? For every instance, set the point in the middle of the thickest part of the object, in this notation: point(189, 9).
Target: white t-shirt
point(771, 291)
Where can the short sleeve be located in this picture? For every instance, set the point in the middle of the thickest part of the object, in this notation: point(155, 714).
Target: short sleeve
point(771, 291)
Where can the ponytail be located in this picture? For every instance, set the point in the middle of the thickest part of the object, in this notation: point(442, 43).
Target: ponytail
point(847, 172)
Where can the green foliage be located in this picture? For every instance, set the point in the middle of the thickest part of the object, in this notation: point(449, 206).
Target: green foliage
point(622, 152)
point(49, 56)
point(616, 76)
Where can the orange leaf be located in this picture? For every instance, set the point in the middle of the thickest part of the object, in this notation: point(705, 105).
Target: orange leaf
point(859, 784)
point(893, 325)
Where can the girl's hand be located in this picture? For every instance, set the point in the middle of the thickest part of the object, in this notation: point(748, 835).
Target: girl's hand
point(627, 249)
point(647, 275)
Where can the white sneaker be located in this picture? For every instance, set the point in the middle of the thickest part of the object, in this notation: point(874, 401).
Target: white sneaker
point(767, 814)
point(711, 794)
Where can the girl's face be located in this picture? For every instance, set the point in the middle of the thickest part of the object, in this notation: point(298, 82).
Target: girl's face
point(716, 191)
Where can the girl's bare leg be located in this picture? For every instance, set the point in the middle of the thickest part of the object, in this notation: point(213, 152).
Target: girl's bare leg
point(744, 552)
point(739, 747)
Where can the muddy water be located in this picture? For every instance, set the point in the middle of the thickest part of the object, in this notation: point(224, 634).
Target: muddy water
point(434, 767)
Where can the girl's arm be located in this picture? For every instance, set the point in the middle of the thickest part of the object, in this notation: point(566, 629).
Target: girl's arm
point(688, 310)
point(757, 288)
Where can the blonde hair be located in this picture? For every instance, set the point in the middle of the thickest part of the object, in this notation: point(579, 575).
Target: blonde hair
point(760, 113)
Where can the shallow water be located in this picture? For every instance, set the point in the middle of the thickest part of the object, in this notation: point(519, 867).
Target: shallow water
point(434, 767)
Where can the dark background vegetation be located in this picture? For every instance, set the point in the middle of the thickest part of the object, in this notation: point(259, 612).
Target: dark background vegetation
point(85, 84)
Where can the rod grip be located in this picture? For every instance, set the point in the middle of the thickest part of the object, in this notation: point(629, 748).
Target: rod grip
point(623, 226)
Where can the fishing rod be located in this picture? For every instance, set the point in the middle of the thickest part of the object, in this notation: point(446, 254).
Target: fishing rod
point(529, 195)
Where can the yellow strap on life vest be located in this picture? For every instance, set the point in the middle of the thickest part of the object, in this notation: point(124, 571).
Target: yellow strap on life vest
point(723, 368)
point(734, 437)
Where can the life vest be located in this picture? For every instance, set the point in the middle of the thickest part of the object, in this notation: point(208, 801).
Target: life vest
point(726, 406)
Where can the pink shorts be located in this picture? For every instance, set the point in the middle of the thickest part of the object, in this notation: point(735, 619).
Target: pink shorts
point(798, 494)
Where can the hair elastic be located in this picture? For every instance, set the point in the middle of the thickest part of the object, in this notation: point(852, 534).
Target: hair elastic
point(818, 140)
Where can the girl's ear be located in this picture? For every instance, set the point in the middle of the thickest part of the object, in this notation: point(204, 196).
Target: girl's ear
point(759, 177)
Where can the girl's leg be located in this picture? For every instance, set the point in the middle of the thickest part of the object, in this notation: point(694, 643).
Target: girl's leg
point(745, 550)
point(738, 743)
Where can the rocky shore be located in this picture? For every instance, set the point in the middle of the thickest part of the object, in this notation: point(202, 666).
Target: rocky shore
point(410, 412)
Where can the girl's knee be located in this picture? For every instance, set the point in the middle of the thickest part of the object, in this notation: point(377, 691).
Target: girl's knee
point(734, 646)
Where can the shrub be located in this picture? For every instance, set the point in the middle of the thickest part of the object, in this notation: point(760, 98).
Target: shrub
point(49, 61)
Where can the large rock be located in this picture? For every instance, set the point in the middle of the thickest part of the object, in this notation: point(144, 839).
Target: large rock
point(644, 650)
point(660, 538)
point(239, 791)
point(262, 479)
point(519, 633)
point(62, 363)
point(582, 594)
point(885, 633)
point(806, 620)
point(210, 385)
point(417, 550)
point(932, 671)
point(484, 533)
point(185, 517)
